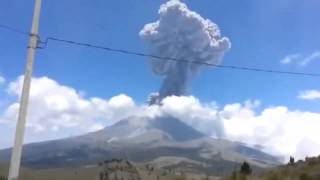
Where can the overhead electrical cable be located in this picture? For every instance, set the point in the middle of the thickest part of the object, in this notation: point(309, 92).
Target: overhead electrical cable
point(44, 44)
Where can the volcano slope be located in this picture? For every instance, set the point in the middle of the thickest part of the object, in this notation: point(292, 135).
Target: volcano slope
point(164, 142)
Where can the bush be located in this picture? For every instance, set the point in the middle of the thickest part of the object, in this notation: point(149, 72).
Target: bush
point(245, 168)
point(291, 161)
point(3, 178)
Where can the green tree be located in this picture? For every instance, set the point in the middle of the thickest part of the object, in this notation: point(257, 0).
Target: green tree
point(245, 168)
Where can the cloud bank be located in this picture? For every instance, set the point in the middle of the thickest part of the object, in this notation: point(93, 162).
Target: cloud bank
point(310, 95)
point(182, 34)
point(56, 110)
point(53, 107)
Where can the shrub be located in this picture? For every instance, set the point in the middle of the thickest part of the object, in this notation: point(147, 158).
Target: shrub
point(245, 168)
point(291, 161)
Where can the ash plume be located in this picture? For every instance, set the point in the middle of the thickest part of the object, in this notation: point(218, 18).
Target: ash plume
point(182, 34)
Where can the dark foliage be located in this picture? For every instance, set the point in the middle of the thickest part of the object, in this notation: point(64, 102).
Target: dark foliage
point(291, 161)
point(245, 168)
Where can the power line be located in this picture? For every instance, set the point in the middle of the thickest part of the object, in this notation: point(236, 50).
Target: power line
point(177, 59)
point(122, 51)
point(14, 30)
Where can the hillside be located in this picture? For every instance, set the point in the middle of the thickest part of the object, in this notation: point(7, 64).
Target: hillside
point(301, 170)
point(92, 173)
point(163, 142)
point(27, 174)
point(309, 169)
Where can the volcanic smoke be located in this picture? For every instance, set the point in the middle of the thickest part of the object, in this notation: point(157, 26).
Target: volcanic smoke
point(181, 34)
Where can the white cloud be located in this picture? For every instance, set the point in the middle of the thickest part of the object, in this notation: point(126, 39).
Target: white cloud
point(309, 95)
point(203, 117)
point(301, 60)
point(54, 107)
point(58, 111)
point(290, 58)
point(278, 130)
point(2, 80)
point(308, 59)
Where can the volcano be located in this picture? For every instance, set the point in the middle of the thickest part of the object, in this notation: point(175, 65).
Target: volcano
point(165, 142)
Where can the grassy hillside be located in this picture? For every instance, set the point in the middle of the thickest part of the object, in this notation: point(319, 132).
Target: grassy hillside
point(301, 170)
point(4, 169)
point(89, 173)
point(309, 169)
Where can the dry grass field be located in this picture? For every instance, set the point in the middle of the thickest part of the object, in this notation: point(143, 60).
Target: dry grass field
point(91, 173)
point(301, 170)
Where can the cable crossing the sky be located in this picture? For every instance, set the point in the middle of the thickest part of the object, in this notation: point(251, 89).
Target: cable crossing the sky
point(44, 44)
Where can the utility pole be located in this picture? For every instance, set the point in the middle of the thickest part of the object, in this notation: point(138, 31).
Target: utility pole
point(21, 123)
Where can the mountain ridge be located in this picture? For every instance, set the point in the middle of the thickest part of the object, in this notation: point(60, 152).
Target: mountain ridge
point(143, 140)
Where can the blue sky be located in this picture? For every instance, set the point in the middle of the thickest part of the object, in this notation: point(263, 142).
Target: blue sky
point(262, 33)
